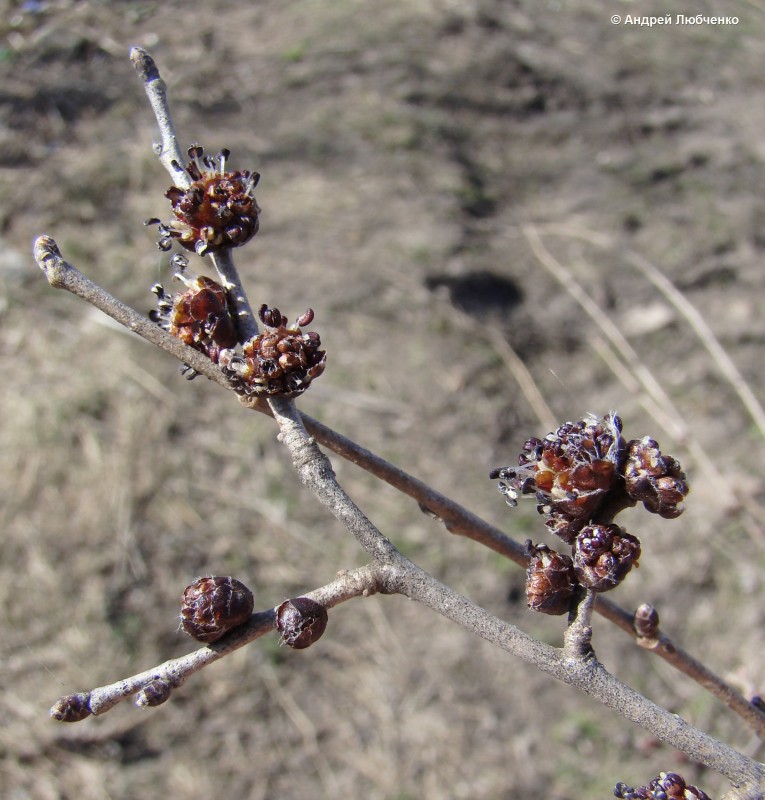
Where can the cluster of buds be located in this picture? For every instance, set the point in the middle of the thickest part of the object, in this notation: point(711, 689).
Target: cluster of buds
point(581, 476)
point(199, 316)
point(283, 360)
point(667, 786)
point(218, 210)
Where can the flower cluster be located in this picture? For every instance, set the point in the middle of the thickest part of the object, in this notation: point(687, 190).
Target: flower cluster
point(200, 316)
point(280, 361)
point(667, 786)
point(218, 210)
point(283, 360)
point(582, 475)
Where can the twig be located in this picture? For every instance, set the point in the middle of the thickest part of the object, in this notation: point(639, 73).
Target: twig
point(361, 582)
point(457, 519)
point(168, 151)
point(63, 275)
point(247, 325)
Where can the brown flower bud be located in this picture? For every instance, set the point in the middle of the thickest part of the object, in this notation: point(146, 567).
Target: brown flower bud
point(218, 210)
point(280, 361)
point(72, 707)
point(667, 786)
point(646, 621)
point(153, 694)
point(199, 317)
point(658, 481)
point(550, 580)
point(571, 471)
point(301, 621)
point(212, 606)
point(603, 555)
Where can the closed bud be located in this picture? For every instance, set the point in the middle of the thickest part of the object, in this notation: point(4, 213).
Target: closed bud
point(658, 481)
point(72, 707)
point(550, 580)
point(667, 786)
point(301, 622)
point(213, 606)
point(154, 693)
point(646, 621)
point(603, 555)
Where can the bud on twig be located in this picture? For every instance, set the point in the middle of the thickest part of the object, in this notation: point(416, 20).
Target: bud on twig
point(603, 555)
point(550, 580)
point(301, 622)
point(656, 480)
point(72, 707)
point(217, 210)
point(646, 622)
point(213, 606)
point(667, 786)
point(153, 694)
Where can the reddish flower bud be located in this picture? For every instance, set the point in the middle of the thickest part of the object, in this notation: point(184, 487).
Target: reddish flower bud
point(199, 317)
point(667, 786)
point(72, 707)
point(571, 471)
point(280, 361)
point(212, 606)
point(603, 555)
point(218, 210)
point(301, 622)
point(550, 580)
point(658, 481)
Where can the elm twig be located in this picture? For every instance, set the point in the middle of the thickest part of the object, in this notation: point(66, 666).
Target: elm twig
point(360, 582)
point(457, 520)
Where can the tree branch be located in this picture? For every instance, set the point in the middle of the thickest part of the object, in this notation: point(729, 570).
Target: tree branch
point(361, 582)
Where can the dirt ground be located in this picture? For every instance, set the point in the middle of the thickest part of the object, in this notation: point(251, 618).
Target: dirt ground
point(439, 181)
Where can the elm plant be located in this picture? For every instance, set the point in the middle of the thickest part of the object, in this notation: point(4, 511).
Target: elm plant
point(582, 475)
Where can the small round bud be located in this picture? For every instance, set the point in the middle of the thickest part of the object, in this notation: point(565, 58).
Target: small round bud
point(301, 621)
point(72, 707)
point(550, 580)
point(212, 606)
point(658, 481)
point(603, 555)
point(154, 693)
point(646, 621)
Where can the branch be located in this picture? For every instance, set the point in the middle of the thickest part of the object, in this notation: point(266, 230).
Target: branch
point(154, 686)
point(169, 153)
point(63, 275)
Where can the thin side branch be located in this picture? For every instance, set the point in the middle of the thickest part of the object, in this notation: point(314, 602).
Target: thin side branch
point(63, 275)
point(361, 582)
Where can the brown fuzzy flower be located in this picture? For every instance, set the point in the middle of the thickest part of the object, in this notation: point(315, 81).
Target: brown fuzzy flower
point(280, 361)
point(550, 580)
point(571, 471)
point(603, 555)
point(667, 786)
point(218, 210)
point(200, 316)
point(658, 481)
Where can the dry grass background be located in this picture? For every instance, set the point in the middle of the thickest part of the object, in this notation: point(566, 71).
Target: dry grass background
point(403, 147)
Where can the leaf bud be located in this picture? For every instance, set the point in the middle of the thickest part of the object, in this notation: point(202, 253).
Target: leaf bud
point(72, 707)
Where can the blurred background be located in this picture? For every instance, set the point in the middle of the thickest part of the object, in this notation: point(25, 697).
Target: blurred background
point(449, 185)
